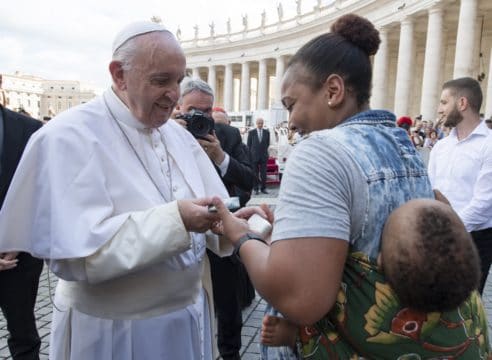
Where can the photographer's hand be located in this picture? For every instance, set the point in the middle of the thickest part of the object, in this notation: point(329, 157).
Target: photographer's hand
point(175, 114)
point(213, 149)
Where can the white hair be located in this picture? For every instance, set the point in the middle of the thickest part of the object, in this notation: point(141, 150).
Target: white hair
point(188, 85)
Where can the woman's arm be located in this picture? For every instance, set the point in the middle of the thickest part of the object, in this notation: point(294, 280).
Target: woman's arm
point(299, 277)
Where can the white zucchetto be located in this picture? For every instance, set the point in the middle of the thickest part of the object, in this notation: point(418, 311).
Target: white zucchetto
point(135, 29)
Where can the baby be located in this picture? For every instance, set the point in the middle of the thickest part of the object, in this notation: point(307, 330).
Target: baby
point(427, 257)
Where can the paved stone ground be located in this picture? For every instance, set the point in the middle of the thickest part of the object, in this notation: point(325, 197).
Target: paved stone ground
point(252, 316)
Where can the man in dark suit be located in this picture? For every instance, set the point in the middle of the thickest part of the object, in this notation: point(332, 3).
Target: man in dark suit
point(231, 159)
point(20, 273)
point(258, 143)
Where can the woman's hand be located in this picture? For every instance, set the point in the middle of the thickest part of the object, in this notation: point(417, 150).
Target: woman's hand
point(263, 210)
point(234, 226)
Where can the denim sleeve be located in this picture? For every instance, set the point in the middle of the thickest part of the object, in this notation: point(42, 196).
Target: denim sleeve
point(316, 198)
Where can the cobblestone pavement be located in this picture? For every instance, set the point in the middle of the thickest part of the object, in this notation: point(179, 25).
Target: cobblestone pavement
point(252, 316)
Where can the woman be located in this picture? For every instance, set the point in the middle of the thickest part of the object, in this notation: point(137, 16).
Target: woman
point(431, 140)
point(340, 184)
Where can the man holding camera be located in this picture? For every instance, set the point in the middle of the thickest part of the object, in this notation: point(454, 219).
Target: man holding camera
point(224, 146)
point(115, 196)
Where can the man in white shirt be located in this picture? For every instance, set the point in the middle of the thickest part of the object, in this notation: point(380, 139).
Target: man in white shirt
point(114, 196)
point(460, 165)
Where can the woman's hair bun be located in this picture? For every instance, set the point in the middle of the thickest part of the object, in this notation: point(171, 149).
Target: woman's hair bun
point(359, 31)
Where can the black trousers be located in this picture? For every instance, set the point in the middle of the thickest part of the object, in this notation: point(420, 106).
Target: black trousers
point(260, 168)
point(19, 288)
point(483, 242)
point(232, 291)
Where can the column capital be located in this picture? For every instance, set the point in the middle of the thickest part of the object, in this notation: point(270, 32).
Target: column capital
point(406, 21)
point(383, 30)
point(436, 8)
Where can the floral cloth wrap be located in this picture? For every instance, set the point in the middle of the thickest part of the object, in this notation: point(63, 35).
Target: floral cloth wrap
point(367, 315)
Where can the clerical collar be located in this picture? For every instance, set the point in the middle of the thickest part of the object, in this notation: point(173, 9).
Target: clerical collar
point(120, 110)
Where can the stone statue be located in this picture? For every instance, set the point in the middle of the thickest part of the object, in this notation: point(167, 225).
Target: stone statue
point(298, 7)
point(280, 11)
point(318, 4)
point(196, 31)
point(178, 33)
point(212, 29)
point(245, 22)
point(228, 25)
point(263, 18)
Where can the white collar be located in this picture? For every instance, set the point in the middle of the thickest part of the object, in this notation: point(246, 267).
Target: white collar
point(480, 130)
point(120, 110)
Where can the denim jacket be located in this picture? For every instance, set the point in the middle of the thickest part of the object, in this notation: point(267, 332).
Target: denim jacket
point(391, 166)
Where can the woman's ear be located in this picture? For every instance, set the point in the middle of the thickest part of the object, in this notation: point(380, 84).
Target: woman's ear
point(117, 74)
point(335, 90)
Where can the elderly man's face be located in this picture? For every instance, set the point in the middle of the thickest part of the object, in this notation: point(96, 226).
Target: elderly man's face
point(151, 85)
point(259, 123)
point(197, 100)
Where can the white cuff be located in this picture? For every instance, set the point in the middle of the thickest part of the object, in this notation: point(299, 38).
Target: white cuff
point(224, 165)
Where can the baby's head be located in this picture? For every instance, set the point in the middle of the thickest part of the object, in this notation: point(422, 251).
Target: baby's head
point(428, 257)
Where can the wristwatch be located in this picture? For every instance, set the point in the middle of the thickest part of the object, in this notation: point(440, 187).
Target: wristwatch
point(243, 239)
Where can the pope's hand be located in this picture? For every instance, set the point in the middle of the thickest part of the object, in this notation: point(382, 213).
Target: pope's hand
point(195, 214)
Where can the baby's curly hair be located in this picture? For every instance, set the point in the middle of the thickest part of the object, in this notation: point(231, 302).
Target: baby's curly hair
point(440, 268)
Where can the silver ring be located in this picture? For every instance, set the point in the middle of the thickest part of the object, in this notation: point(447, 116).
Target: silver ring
point(206, 148)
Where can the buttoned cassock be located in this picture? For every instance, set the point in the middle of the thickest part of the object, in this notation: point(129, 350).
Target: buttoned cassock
point(93, 194)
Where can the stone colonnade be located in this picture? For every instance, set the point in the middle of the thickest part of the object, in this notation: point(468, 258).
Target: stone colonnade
point(417, 54)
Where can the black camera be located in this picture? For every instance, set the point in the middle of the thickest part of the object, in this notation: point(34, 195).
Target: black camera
point(197, 123)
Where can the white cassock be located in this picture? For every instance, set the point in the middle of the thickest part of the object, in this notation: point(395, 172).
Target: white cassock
point(95, 194)
point(283, 146)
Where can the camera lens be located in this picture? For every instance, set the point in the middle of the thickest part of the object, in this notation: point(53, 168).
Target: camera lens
point(200, 127)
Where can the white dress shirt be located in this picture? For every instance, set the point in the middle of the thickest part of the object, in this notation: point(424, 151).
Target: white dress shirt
point(462, 171)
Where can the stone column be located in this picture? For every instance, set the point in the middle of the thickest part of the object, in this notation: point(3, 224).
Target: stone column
point(212, 78)
point(380, 71)
point(404, 76)
point(195, 73)
point(245, 87)
point(432, 64)
point(279, 73)
point(465, 40)
point(262, 85)
point(488, 100)
point(228, 88)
